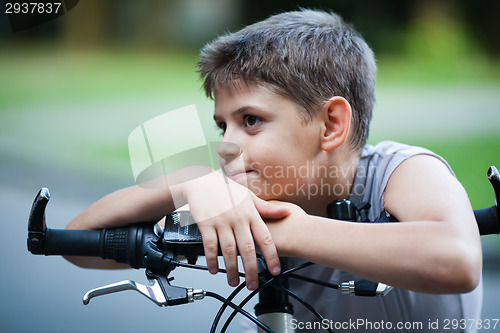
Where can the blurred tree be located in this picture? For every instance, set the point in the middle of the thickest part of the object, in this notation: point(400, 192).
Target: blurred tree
point(436, 33)
point(483, 20)
point(86, 24)
point(385, 23)
point(380, 22)
point(389, 26)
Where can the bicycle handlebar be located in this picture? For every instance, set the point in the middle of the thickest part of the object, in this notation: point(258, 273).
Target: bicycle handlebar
point(488, 219)
point(144, 245)
point(141, 245)
point(147, 245)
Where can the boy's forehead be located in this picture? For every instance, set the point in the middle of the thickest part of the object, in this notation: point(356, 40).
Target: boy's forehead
point(240, 87)
point(235, 96)
point(241, 98)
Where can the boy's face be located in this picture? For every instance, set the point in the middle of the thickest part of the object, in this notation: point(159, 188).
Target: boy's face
point(266, 145)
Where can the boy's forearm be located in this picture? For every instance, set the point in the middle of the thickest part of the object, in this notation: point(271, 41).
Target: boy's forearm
point(120, 208)
point(126, 206)
point(421, 256)
point(147, 202)
point(434, 249)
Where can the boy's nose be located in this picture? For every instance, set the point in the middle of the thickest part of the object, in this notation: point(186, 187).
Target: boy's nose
point(228, 151)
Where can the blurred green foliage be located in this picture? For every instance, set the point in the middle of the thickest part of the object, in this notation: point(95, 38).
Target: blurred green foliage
point(49, 73)
point(470, 159)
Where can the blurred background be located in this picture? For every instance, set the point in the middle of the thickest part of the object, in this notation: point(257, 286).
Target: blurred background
point(72, 90)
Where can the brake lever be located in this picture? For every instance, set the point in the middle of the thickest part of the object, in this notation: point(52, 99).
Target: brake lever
point(152, 292)
point(160, 292)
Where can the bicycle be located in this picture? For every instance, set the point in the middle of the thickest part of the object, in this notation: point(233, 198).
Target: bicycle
point(157, 250)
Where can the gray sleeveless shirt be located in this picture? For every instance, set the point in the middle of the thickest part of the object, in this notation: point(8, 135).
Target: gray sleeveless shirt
point(400, 310)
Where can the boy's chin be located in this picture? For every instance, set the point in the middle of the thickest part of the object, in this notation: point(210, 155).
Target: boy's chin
point(269, 196)
point(267, 191)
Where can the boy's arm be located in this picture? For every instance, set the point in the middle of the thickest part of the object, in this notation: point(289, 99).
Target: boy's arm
point(148, 202)
point(434, 249)
point(226, 213)
point(126, 206)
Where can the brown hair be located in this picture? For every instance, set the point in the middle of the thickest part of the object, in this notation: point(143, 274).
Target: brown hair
point(308, 56)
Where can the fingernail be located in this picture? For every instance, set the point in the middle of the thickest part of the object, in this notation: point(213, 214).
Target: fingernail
point(252, 286)
point(234, 282)
point(287, 210)
point(275, 271)
point(213, 270)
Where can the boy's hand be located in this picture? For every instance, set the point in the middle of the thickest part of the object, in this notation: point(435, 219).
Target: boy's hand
point(230, 216)
point(285, 229)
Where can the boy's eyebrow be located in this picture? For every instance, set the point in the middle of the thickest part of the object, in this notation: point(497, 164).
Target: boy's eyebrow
point(242, 109)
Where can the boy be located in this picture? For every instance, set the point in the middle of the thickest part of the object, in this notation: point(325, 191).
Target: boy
point(293, 98)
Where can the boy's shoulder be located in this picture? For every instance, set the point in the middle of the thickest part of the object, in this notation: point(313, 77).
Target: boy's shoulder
point(376, 165)
point(389, 154)
point(391, 148)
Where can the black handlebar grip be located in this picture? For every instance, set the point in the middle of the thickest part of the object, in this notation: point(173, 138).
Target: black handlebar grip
point(487, 221)
point(73, 242)
point(120, 244)
point(115, 245)
point(123, 244)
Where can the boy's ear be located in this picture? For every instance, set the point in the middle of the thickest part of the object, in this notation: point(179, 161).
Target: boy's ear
point(337, 117)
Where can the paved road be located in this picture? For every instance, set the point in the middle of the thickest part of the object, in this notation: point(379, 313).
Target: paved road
point(436, 112)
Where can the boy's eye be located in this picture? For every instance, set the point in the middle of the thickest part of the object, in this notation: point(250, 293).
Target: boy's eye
point(222, 126)
point(251, 120)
